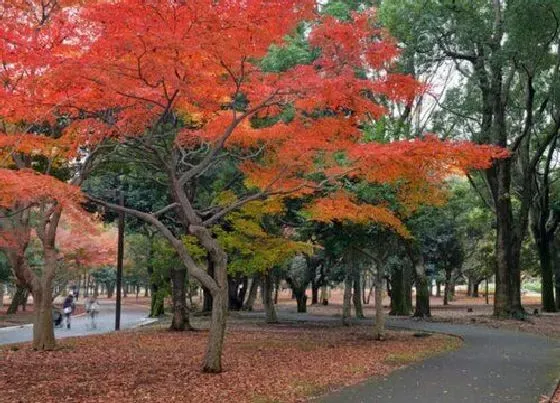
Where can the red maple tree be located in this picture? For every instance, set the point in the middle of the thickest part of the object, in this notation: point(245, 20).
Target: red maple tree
point(138, 71)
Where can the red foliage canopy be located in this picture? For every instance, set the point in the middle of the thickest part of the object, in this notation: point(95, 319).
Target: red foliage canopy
point(117, 69)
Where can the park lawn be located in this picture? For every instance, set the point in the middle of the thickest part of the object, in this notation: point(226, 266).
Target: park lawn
point(262, 364)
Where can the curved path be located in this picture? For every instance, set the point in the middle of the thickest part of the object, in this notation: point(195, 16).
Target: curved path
point(131, 316)
point(492, 366)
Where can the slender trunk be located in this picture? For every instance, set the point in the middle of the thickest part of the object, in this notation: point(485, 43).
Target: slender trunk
point(180, 320)
point(356, 295)
point(43, 329)
point(438, 289)
point(268, 302)
point(379, 333)
point(324, 295)
point(237, 288)
point(276, 289)
point(110, 290)
point(556, 276)
point(475, 290)
point(314, 293)
point(2, 286)
point(17, 300)
point(301, 299)
point(218, 320)
point(207, 295)
point(252, 296)
point(469, 287)
point(547, 275)
point(346, 308)
point(23, 300)
point(447, 290)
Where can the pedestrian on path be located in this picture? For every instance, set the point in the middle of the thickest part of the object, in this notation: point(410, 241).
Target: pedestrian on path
point(67, 308)
point(92, 308)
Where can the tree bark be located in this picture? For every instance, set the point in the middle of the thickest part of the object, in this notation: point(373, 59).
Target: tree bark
point(507, 297)
point(475, 289)
point(17, 300)
point(438, 289)
point(400, 302)
point(2, 286)
point(357, 294)
point(110, 290)
point(270, 310)
point(252, 296)
point(181, 319)
point(213, 359)
point(447, 289)
point(346, 307)
point(324, 295)
point(422, 309)
point(314, 293)
point(276, 290)
point(237, 288)
point(301, 300)
point(43, 329)
point(207, 295)
point(379, 332)
point(547, 276)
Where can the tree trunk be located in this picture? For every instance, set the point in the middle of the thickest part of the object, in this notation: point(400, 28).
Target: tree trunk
point(469, 287)
point(438, 289)
point(43, 329)
point(557, 276)
point(547, 275)
point(447, 290)
point(324, 295)
point(252, 296)
point(379, 332)
point(400, 300)
point(24, 298)
point(357, 294)
point(17, 300)
point(2, 286)
point(301, 300)
point(422, 309)
point(276, 290)
point(346, 307)
point(213, 359)
point(314, 293)
point(507, 297)
point(268, 302)
point(237, 288)
point(180, 320)
point(207, 295)
point(110, 290)
point(475, 290)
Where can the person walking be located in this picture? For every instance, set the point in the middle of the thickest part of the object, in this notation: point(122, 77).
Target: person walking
point(92, 308)
point(67, 308)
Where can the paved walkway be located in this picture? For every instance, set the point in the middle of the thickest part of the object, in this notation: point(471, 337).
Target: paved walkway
point(492, 366)
point(131, 316)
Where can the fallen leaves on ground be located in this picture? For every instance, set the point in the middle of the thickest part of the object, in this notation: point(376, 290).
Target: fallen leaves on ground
point(263, 364)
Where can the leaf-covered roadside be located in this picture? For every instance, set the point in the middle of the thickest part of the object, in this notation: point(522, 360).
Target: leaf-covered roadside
point(267, 364)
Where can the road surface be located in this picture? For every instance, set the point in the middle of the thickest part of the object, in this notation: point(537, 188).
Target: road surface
point(131, 316)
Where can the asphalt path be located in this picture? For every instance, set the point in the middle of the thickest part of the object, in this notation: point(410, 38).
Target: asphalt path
point(131, 316)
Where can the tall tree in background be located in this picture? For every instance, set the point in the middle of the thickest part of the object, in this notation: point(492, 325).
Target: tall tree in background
point(508, 71)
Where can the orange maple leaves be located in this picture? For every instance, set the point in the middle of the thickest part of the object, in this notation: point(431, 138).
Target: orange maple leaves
point(119, 68)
